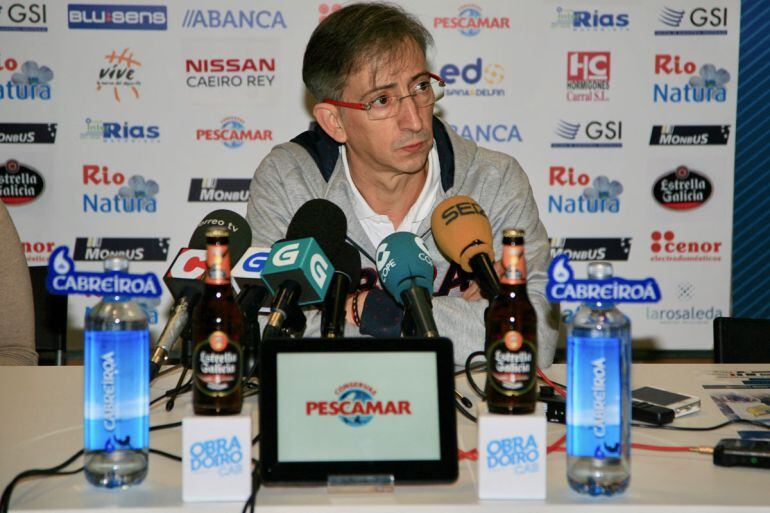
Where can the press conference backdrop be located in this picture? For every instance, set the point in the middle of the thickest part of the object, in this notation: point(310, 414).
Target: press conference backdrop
point(124, 124)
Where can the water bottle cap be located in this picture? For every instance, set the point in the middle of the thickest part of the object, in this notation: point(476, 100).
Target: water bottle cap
point(600, 270)
point(116, 263)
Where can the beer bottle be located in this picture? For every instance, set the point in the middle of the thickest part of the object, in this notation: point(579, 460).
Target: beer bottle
point(217, 332)
point(511, 338)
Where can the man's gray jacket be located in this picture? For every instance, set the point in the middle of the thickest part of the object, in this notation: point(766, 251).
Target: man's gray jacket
point(310, 167)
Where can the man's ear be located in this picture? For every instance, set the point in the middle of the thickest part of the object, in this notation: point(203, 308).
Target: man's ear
point(328, 117)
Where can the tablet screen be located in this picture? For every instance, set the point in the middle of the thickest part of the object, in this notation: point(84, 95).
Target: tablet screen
point(358, 407)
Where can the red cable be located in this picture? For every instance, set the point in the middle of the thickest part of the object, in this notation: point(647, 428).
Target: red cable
point(556, 445)
point(559, 390)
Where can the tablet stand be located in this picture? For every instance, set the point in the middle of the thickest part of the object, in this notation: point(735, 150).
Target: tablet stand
point(361, 483)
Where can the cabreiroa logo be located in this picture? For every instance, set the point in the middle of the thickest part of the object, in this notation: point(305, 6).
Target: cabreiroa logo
point(19, 183)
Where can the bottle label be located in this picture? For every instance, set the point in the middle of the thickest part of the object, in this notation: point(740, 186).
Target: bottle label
point(217, 365)
point(514, 265)
point(594, 397)
point(511, 364)
point(116, 407)
point(217, 264)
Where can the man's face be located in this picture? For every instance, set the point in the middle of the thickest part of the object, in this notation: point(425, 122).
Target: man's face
point(395, 145)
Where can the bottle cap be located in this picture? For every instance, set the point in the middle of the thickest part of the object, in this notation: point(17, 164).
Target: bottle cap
point(512, 233)
point(217, 233)
point(116, 263)
point(600, 270)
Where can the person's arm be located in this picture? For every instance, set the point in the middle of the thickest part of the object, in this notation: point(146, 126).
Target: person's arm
point(17, 311)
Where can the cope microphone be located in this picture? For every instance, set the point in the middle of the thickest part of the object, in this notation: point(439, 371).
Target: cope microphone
point(298, 271)
point(184, 278)
point(406, 271)
point(462, 232)
point(347, 276)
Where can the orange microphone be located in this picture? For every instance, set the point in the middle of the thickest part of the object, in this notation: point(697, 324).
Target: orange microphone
point(463, 234)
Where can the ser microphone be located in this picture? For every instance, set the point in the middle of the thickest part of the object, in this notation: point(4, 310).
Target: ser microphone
point(184, 278)
point(346, 278)
point(462, 232)
point(406, 271)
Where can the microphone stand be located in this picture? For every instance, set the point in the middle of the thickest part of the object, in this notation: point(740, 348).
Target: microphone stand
point(186, 361)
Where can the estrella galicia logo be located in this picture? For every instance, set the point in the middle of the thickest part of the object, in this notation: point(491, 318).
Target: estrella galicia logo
point(700, 21)
point(19, 17)
point(233, 19)
point(356, 405)
point(595, 134)
point(219, 190)
point(63, 279)
point(581, 21)
point(518, 452)
point(220, 454)
point(682, 189)
point(563, 286)
point(591, 249)
point(19, 183)
point(117, 17)
point(689, 135)
point(135, 249)
point(28, 133)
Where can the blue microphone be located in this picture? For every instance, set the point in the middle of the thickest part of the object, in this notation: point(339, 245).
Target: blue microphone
point(405, 268)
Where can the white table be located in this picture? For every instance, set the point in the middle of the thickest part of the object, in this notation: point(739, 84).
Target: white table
point(42, 426)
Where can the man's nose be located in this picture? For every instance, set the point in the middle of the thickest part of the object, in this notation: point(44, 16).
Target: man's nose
point(409, 115)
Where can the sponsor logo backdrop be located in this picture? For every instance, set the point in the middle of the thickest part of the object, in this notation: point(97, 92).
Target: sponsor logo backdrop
point(123, 124)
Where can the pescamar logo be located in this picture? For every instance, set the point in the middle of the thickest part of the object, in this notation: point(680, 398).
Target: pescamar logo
point(116, 131)
point(600, 197)
point(219, 189)
point(28, 133)
point(135, 249)
point(501, 132)
point(473, 79)
point(19, 17)
point(233, 133)
point(230, 72)
point(699, 21)
point(135, 196)
point(233, 19)
point(470, 21)
point(593, 21)
point(689, 135)
point(591, 249)
point(356, 405)
point(19, 183)
point(30, 82)
point(596, 134)
point(706, 83)
point(682, 189)
point(119, 74)
point(588, 76)
point(117, 17)
point(666, 248)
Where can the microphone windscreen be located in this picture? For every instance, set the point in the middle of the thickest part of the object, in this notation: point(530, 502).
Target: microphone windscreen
point(240, 232)
point(401, 257)
point(347, 261)
point(322, 220)
point(461, 229)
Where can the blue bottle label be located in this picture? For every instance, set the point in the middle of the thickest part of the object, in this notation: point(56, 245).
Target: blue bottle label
point(117, 390)
point(594, 397)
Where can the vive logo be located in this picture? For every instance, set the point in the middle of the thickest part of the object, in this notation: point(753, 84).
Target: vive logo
point(286, 255)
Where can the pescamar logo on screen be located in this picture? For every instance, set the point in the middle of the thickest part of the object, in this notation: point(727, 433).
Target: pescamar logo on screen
point(63, 279)
point(356, 405)
point(117, 17)
point(563, 286)
point(682, 189)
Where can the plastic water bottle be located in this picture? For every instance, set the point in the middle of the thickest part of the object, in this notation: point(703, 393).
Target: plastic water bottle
point(117, 390)
point(599, 395)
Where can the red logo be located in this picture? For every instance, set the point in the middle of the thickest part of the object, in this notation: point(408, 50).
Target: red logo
point(101, 175)
point(667, 64)
point(228, 65)
point(667, 248)
point(588, 66)
point(566, 176)
point(325, 10)
point(37, 252)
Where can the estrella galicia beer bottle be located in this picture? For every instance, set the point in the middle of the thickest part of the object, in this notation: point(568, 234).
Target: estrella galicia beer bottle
point(511, 338)
point(217, 332)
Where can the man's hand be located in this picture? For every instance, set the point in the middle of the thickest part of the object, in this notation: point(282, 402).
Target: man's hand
point(349, 306)
point(473, 293)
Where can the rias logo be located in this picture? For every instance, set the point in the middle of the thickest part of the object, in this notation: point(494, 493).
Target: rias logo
point(699, 21)
point(705, 83)
point(470, 21)
point(29, 81)
point(593, 134)
point(682, 189)
point(135, 195)
point(489, 132)
point(233, 133)
point(119, 75)
point(593, 21)
point(477, 78)
point(598, 196)
point(357, 405)
point(117, 131)
point(588, 76)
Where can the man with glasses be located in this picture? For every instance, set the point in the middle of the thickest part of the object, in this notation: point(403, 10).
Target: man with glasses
point(379, 153)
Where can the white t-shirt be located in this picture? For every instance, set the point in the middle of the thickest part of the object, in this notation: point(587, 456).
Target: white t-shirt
point(378, 226)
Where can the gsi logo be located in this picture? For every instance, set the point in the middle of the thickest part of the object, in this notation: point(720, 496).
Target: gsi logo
point(287, 255)
point(318, 269)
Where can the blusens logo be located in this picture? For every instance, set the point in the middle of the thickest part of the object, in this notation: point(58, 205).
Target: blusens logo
point(117, 131)
point(599, 196)
point(19, 183)
point(117, 17)
point(28, 82)
point(219, 189)
point(592, 134)
point(356, 405)
point(582, 20)
point(666, 247)
point(588, 76)
point(682, 189)
point(28, 133)
point(120, 75)
point(500, 132)
point(470, 21)
point(264, 19)
point(689, 135)
point(233, 133)
point(591, 249)
point(136, 195)
point(135, 249)
point(705, 83)
point(476, 78)
point(698, 21)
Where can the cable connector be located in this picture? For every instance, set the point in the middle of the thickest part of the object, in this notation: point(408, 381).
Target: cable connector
point(702, 449)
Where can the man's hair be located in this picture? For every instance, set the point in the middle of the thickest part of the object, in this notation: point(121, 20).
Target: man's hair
point(349, 38)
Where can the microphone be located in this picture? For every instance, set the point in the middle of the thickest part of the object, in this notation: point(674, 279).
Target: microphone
point(406, 271)
point(347, 276)
point(298, 271)
point(184, 278)
point(462, 232)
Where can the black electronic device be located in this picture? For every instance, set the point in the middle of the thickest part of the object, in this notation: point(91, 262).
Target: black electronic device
point(651, 413)
point(736, 452)
point(352, 407)
point(681, 404)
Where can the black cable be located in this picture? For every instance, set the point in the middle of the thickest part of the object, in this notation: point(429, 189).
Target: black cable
point(468, 415)
point(181, 390)
point(165, 454)
point(5, 500)
point(165, 426)
point(682, 428)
